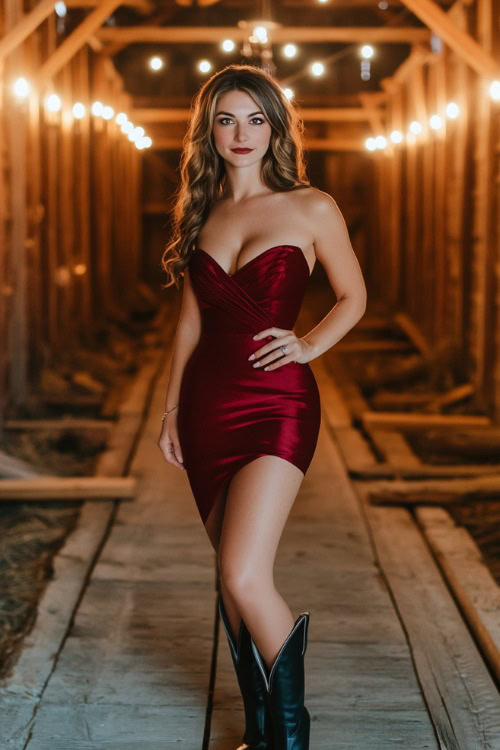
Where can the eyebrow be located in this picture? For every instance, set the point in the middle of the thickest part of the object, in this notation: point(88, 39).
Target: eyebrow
point(231, 114)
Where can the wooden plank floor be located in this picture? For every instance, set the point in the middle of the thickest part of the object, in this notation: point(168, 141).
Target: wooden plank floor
point(143, 666)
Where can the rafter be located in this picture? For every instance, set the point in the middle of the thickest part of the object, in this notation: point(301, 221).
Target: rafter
point(76, 40)
point(145, 7)
point(458, 40)
point(25, 27)
point(187, 34)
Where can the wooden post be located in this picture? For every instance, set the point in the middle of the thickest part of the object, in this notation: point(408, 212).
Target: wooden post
point(17, 310)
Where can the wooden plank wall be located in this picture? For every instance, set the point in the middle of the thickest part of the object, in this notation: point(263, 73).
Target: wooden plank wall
point(70, 209)
point(439, 205)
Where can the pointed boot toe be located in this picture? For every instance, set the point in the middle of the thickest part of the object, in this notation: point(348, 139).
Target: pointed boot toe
point(285, 687)
point(258, 733)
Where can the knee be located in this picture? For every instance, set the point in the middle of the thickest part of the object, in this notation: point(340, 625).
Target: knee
point(242, 583)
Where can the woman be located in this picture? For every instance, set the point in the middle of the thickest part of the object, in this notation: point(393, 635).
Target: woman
point(242, 410)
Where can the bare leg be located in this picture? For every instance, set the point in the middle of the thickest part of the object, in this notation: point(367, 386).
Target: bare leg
point(258, 502)
point(213, 527)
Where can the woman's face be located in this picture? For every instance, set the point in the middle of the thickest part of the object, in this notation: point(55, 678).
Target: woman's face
point(239, 123)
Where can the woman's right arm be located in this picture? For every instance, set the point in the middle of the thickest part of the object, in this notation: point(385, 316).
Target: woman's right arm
point(187, 336)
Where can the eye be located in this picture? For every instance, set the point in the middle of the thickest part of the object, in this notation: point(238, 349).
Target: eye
point(222, 120)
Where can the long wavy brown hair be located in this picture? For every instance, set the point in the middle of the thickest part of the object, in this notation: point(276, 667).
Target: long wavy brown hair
point(203, 170)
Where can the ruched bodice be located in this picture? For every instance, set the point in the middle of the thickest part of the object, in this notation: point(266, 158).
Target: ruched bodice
point(268, 290)
point(229, 412)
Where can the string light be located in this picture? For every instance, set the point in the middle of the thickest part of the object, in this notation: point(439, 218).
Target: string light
point(21, 87)
point(289, 93)
point(452, 110)
point(289, 50)
point(228, 45)
point(60, 9)
point(259, 34)
point(495, 90)
point(367, 53)
point(156, 63)
point(381, 141)
point(78, 110)
point(97, 109)
point(415, 127)
point(317, 69)
point(435, 122)
point(396, 136)
point(371, 144)
point(204, 66)
point(53, 103)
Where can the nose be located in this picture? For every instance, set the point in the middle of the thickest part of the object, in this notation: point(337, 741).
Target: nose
point(240, 135)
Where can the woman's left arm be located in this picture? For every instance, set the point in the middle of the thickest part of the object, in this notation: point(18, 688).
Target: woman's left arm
point(334, 251)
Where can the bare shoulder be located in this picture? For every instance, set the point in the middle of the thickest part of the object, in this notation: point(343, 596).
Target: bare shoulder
point(321, 203)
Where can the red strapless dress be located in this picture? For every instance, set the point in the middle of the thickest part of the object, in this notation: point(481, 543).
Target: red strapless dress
point(230, 412)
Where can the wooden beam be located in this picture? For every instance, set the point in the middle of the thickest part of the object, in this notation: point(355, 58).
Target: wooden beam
point(190, 34)
point(29, 22)
point(458, 40)
point(323, 114)
point(62, 488)
point(76, 40)
point(373, 115)
point(419, 55)
point(145, 7)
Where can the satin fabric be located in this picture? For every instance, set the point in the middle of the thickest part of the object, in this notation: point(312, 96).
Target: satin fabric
point(229, 411)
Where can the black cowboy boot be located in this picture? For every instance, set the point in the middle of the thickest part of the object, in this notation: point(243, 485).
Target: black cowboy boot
point(258, 729)
point(285, 687)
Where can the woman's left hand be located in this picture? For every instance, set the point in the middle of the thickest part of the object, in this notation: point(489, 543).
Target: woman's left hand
point(298, 350)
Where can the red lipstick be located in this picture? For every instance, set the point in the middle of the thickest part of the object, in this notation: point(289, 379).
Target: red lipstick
point(242, 150)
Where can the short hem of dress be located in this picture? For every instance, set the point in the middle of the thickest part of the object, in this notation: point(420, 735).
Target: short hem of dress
point(230, 477)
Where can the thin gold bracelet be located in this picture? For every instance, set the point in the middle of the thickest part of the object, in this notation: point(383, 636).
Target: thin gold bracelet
point(168, 412)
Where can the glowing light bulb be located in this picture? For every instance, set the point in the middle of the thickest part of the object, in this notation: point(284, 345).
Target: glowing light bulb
point(381, 141)
point(121, 118)
point(21, 87)
point(317, 69)
point(60, 9)
point(156, 63)
point(228, 45)
point(127, 127)
point(53, 103)
point(452, 110)
point(435, 122)
point(495, 90)
point(107, 112)
point(415, 127)
point(289, 50)
point(147, 141)
point(371, 144)
point(204, 66)
point(367, 51)
point(260, 33)
point(78, 110)
point(97, 109)
point(396, 136)
point(288, 93)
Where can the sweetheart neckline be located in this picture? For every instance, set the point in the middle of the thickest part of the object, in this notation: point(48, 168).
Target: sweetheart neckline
point(252, 260)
